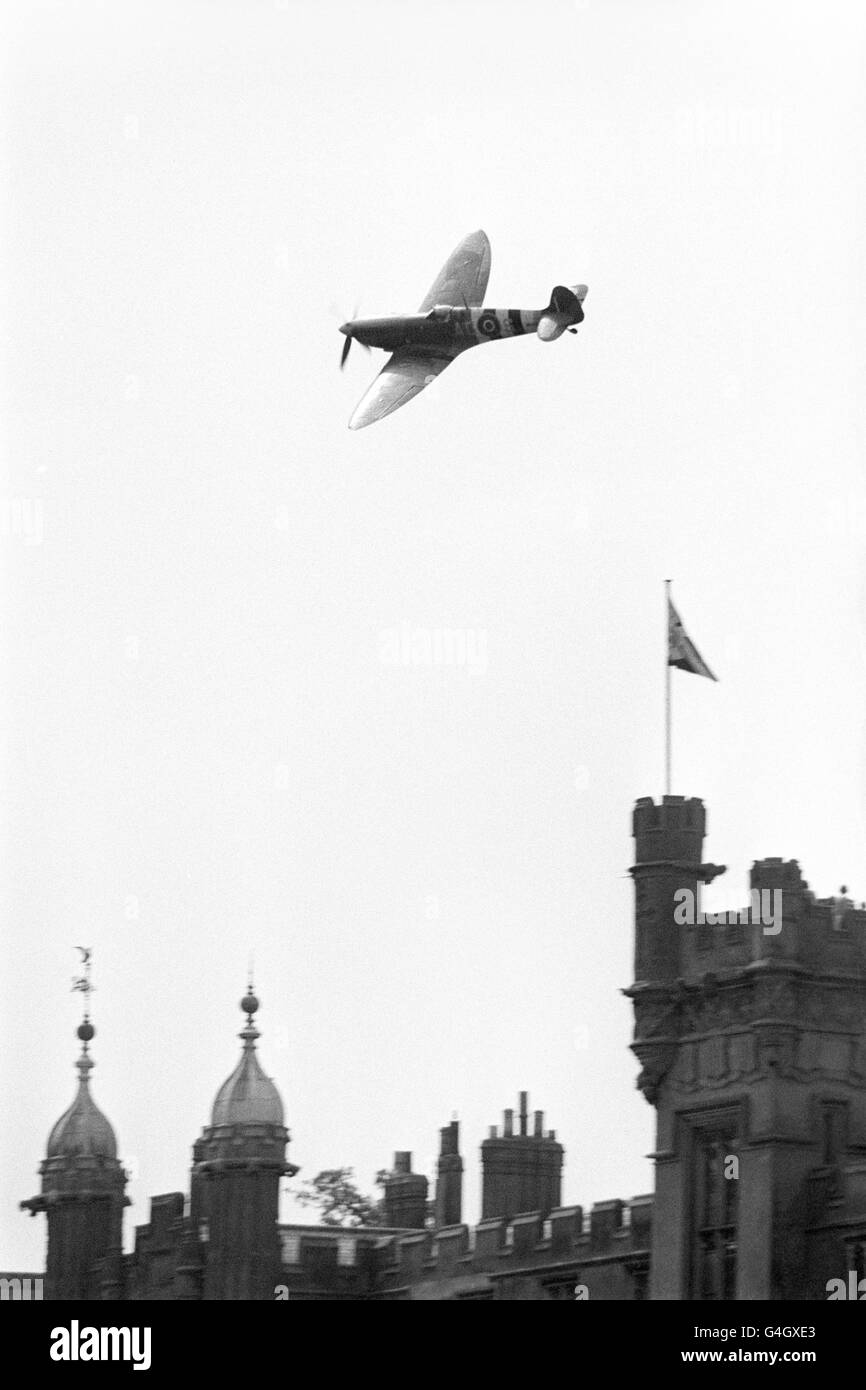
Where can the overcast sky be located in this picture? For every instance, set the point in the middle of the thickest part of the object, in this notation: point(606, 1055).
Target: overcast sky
point(206, 753)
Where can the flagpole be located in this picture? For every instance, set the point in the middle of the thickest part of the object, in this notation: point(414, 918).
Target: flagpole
point(667, 688)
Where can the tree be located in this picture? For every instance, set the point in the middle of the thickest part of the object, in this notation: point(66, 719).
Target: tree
point(334, 1192)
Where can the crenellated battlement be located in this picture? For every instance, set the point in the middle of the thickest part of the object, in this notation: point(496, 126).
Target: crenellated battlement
point(677, 937)
point(609, 1230)
point(781, 920)
point(672, 829)
point(608, 1245)
point(166, 1215)
point(778, 873)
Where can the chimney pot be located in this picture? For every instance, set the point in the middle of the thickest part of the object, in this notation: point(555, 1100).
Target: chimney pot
point(520, 1177)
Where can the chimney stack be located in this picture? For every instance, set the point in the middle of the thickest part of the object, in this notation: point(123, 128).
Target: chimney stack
point(521, 1172)
point(449, 1177)
point(405, 1195)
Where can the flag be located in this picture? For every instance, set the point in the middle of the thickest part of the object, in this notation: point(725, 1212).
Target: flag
point(682, 651)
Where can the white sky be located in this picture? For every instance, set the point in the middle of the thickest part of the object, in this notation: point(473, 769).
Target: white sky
point(429, 864)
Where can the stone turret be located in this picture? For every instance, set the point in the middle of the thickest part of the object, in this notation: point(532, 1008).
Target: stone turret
point(238, 1164)
point(83, 1190)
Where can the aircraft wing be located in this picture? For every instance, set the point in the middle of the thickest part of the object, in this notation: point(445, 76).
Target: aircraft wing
point(402, 377)
point(463, 278)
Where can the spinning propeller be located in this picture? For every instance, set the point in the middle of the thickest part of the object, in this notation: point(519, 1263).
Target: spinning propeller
point(347, 329)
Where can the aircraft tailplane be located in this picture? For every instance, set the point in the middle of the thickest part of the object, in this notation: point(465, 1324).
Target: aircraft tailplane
point(565, 308)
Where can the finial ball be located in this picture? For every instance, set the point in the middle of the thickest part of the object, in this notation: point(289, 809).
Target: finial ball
point(249, 1003)
point(85, 1031)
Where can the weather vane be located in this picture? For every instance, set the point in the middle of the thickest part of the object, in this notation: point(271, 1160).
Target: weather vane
point(83, 983)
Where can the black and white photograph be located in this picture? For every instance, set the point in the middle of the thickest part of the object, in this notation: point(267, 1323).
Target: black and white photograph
point(434, 780)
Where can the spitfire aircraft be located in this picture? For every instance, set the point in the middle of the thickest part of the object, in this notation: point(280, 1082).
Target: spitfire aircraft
point(449, 321)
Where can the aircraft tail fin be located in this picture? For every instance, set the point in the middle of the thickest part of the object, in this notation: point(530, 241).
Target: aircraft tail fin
point(565, 308)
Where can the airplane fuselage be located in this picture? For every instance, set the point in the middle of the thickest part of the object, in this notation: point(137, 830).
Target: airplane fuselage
point(451, 318)
point(445, 329)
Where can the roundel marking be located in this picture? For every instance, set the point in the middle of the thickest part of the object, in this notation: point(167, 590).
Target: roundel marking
point(488, 324)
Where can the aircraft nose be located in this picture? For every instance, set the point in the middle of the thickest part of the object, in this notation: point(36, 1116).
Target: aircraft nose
point(346, 328)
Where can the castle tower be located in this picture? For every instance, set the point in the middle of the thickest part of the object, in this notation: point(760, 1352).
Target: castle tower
point(82, 1188)
point(750, 1028)
point(237, 1166)
point(521, 1172)
point(449, 1177)
point(669, 842)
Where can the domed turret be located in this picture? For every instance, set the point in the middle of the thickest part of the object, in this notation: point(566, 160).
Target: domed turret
point(82, 1187)
point(82, 1129)
point(237, 1166)
point(248, 1096)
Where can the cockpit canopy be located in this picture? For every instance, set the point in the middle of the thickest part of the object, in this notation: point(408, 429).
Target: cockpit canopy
point(443, 312)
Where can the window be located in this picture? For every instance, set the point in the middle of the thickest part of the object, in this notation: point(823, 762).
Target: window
point(833, 1125)
point(346, 1250)
point(291, 1247)
point(714, 1244)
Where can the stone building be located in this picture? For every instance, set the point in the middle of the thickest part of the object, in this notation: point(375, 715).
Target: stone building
point(750, 1034)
